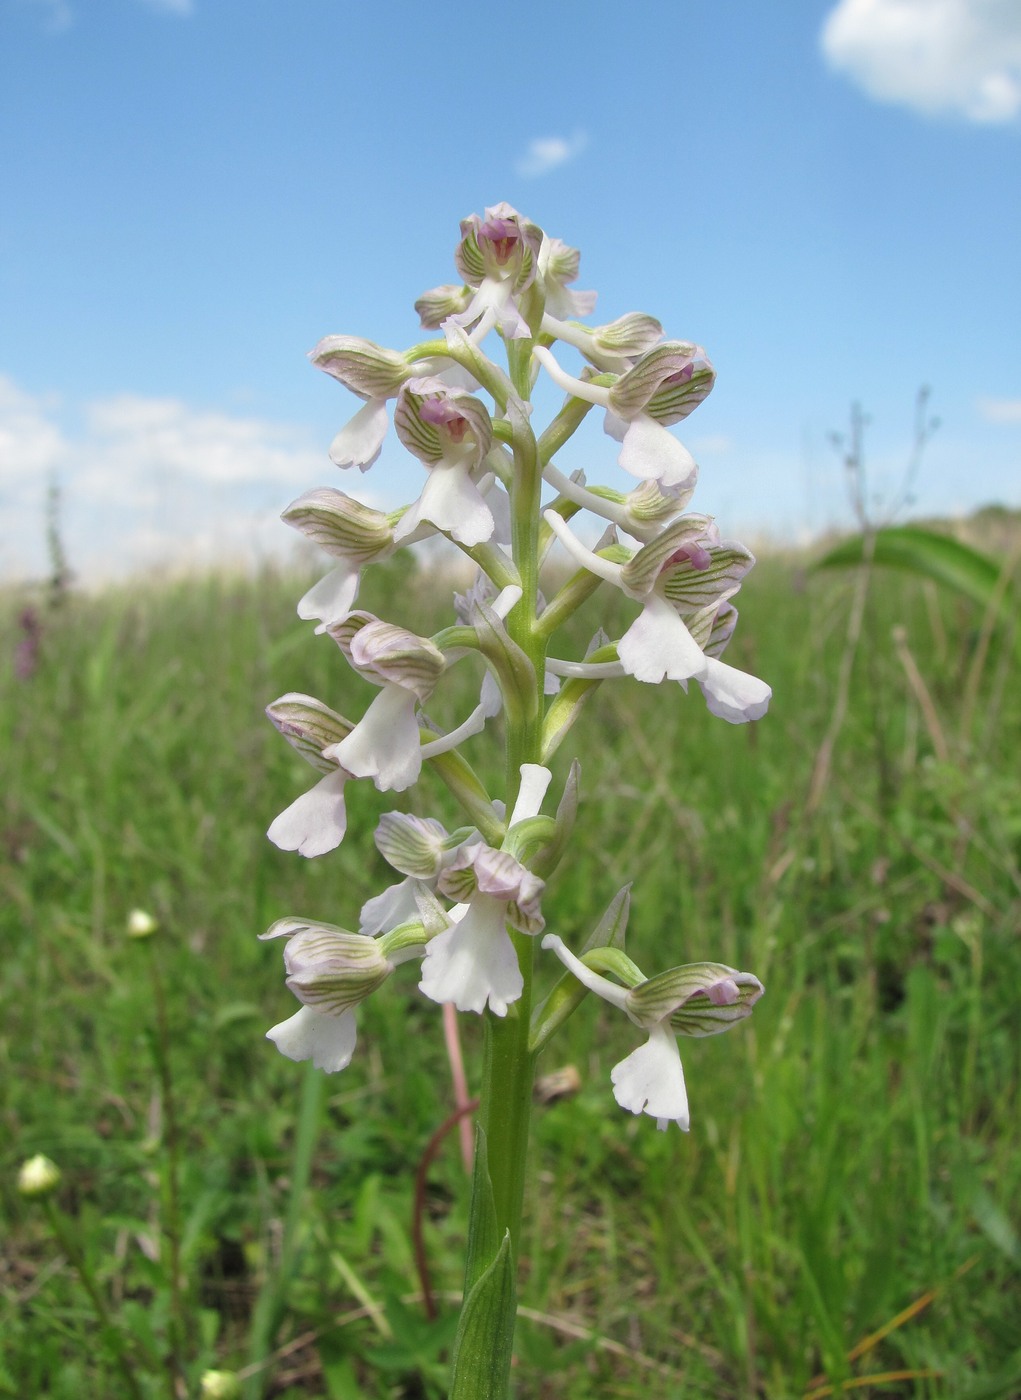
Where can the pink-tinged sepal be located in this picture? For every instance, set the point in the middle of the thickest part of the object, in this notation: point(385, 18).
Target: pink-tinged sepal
point(666, 384)
point(386, 654)
point(437, 304)
point(367, 369)
point(558, 266)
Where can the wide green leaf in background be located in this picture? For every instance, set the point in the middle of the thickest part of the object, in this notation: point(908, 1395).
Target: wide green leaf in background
point(939, 557)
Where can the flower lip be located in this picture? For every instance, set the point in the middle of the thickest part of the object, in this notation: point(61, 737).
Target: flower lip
point(694, 554)
point(503, 234)
point(443, 414)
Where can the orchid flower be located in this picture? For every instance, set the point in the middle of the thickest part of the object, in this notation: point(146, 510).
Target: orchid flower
point(375, 375)
point(681, 578)
point(473, 963)
point(385, 744)
point(451, 433)
point(353, 533)
point(498, 256)
point(661, 388)
point(419, 848)
point(698, 999)
point(316, 822)
point(330, 971)
point(558, 265)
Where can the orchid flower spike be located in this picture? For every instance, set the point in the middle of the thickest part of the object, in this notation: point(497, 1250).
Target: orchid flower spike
point(696, 1000)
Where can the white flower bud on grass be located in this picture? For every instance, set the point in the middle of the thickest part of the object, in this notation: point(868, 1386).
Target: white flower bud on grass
point(220, 1385)
point(38, 1177)
point(141, 924)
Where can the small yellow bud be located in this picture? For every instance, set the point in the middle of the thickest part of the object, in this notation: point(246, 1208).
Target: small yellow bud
point(141, 924)
point(220, 1385)
point(38, 1177)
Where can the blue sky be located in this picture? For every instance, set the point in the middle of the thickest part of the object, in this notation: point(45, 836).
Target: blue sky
point(826, 195)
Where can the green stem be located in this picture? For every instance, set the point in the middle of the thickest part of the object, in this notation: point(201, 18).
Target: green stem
point(171, 1143)
point(112, 1335)
point(270, 1303)
point(508, 1067)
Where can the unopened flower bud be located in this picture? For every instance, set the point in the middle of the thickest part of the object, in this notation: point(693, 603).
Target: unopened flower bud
point(220, 1385)
point(38, 1177)
point(141, 924)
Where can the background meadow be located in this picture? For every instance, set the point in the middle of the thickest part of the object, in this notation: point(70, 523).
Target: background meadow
point(845, 1205)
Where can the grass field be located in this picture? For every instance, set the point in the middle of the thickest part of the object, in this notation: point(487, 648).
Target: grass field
point(846, 1204)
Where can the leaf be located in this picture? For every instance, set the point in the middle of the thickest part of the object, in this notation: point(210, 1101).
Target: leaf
point(485, 1333)
point(484, 1234)
point(923, 552)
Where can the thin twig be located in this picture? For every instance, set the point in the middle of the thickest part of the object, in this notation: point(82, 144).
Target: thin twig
point(418, 1239)
point(452, 1039)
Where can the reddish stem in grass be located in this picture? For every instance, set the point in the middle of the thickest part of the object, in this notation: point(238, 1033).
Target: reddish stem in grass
point(431, 1148)
point(452, 1036)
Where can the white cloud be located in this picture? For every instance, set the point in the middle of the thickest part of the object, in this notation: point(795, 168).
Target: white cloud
point(60, 16)
point(57, 12)
point(1000, 410)
point(147, 482)
point(961, 57)
point(545, 153)
point(172, 7)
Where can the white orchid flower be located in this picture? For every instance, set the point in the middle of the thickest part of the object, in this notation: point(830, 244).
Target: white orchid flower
point(661, 388)
point(699, 999)
point(451, 433)
point(473, 963)
point(682, 576)
point(317, 821)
